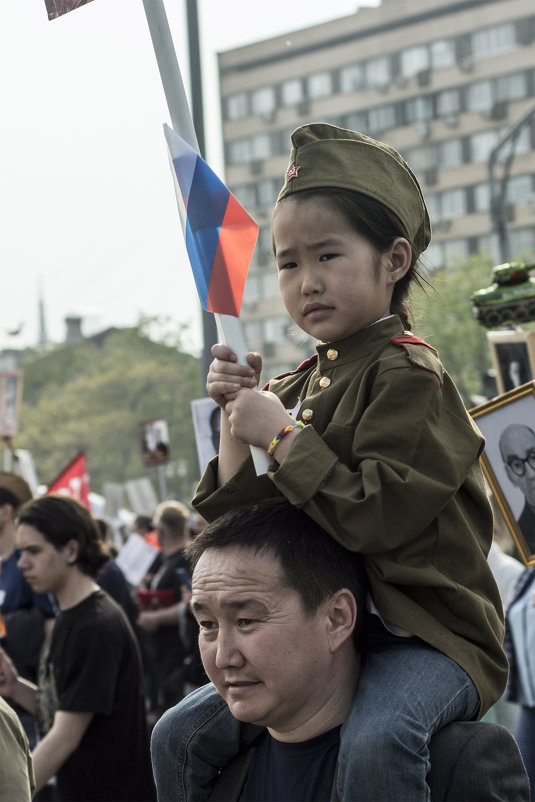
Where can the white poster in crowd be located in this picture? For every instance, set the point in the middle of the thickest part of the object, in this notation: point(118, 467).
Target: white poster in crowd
point(142, 497)
point(26, 467)
point(135, 558)
point(206, 424)
point(113, 494)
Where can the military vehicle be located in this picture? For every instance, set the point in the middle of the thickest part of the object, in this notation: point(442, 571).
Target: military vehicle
point(509, 300)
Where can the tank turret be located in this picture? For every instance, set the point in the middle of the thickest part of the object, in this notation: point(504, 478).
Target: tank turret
point(509, 300)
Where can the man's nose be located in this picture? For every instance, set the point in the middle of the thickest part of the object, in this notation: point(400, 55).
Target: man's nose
point(228, 654)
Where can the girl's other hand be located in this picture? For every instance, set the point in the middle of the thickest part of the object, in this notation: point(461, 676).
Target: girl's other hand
point(226, 377)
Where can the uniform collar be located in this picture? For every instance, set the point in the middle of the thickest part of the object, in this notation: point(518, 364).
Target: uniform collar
point(359, 345)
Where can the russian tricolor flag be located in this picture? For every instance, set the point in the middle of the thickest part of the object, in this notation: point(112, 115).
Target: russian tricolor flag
point(220, 235)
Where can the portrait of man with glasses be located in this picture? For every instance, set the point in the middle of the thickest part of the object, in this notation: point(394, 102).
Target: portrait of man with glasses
point(517, 448)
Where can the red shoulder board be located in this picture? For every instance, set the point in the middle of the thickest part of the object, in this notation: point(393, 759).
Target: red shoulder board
point(410, 338)
point(303, 366)
point(420, 358)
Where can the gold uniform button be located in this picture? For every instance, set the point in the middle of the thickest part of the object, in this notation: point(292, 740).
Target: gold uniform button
point(332, 354)
point(307, 414)
point(324, 381)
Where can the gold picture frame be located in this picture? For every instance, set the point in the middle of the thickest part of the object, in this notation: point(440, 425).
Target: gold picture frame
point(513, 356)
point(508, 424)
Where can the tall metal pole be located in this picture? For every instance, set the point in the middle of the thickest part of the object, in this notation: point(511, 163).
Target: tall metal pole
point(190, 127)
point(209, 326)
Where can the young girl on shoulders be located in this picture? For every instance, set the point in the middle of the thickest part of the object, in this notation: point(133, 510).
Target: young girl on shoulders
point(371, 438)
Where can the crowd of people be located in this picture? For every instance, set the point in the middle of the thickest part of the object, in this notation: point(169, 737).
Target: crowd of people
point(341, 604)
point(85, 668)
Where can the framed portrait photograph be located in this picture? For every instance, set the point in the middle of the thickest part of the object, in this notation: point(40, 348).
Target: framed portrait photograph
point(508, 424)
point(513, 355)
point(155, 442)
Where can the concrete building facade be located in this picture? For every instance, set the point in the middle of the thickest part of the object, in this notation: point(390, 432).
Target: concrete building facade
point(440, 81)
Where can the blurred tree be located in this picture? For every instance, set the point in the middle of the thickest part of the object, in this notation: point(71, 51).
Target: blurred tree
point(93, 397)
point(444, 318)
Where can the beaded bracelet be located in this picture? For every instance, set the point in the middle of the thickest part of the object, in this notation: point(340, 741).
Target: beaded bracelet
point(283, 432)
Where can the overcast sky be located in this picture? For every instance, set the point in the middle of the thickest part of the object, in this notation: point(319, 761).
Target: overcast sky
point(87, 204)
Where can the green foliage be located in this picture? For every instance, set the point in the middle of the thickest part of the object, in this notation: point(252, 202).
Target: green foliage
point(93, 397)
point(445, 320)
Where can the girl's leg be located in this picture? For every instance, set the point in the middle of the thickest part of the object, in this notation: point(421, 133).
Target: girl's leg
point(525, 736)
point(192, 741)
point(407, 691)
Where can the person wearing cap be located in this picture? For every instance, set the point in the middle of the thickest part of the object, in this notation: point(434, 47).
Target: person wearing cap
point(27, 615)
point(370, 438)
point(89, 699)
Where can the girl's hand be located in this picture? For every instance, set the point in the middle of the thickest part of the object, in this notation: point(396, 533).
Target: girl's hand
point(256, 417)
point(225, 377)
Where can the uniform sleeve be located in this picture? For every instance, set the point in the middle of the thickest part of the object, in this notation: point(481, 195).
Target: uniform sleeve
point(379, 482)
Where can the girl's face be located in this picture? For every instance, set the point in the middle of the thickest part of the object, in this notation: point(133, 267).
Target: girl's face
point(332, 280)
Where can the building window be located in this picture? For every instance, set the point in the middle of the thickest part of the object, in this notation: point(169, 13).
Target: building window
point(482, 198)
point(481, 145)
point(246, 195)
point(276, 330)
point(448, 102)
point(522, 242)
point(239, 151)
point(292, 91)
point(419, 108)
point(320, 84)
point(450, 153)
point(382, 118)
point(512, 87)
point(480, 96)
point(267, 192)
point(423, 158)
point(414, 60)
point(237, 106)
point(351, 78)
point(378, 72)
point(491, 41)
point(442, 53)
point(455, 250)
point(433, 206)
point(263, 101)
point(453, 204)
point(520, 189)
point(261, 146)
point(356, 121)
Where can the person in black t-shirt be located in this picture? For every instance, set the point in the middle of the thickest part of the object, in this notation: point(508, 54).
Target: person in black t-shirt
point(89, 699)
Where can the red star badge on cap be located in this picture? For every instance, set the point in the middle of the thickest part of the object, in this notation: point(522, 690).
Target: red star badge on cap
point(292, 172)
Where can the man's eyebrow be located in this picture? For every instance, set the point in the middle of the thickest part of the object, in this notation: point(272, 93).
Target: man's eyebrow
point(233, 604)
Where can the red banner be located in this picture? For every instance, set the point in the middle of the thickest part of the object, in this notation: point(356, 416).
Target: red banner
point(73, 481)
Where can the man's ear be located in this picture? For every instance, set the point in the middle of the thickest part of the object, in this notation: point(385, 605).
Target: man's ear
point(341, 617)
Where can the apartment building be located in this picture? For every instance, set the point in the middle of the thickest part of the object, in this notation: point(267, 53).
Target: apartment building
point(440, 81)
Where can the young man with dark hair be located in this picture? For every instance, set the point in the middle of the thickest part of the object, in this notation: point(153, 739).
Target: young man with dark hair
point(89, 700)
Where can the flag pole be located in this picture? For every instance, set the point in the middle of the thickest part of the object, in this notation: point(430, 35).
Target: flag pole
point(229, 328)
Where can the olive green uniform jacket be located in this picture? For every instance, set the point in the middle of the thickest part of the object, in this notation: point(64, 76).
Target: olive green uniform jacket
point(388, 464)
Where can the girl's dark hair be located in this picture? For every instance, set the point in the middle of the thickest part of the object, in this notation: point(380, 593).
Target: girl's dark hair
point(60, 519)
point(381, 227)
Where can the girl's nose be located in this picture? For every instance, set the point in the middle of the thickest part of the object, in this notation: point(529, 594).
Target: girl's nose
point(311, 281)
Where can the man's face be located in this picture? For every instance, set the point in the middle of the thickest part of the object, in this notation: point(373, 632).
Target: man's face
point(44, 567)
point(519, 443)
point(265, 656)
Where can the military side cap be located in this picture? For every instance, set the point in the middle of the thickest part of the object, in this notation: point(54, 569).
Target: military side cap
point(15, 485)
point(324, 155)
